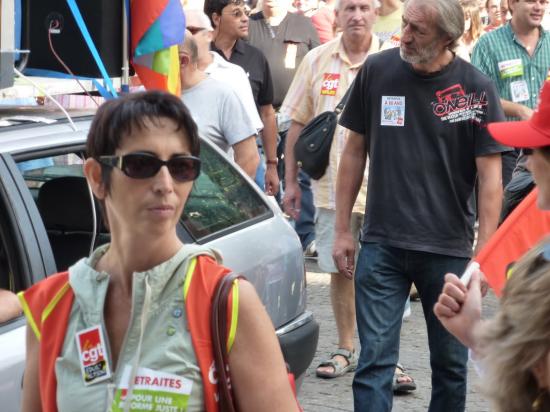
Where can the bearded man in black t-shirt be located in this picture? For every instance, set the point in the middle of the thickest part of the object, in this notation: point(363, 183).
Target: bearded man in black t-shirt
point(420, 114)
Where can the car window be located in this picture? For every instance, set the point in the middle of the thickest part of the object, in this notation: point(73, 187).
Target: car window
point(221, 198)
point(64, 202)
point(38, 171)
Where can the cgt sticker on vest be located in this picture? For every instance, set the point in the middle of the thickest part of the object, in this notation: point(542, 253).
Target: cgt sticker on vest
point(330, 84)
point(392, 111)
point(153, 391)
point(93, 356)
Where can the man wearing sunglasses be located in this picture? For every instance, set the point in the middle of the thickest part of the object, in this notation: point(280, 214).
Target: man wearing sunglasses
point(217, 110)
point(217, 67)
point(230, 21)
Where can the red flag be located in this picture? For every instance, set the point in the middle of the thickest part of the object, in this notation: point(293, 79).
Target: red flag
point(521, 230)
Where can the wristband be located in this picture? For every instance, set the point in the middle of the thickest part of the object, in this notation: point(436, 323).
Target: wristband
point(274, 162)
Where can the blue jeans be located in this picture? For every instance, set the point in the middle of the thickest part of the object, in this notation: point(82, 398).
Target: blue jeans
point(305, 225)
point(382, 283)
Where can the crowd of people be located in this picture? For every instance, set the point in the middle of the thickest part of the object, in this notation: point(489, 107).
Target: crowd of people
point(417, 162)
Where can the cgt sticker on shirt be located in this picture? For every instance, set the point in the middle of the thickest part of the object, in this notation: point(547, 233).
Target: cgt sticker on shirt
point(510, 68)
point(93, 356)
point(330, 84)
point(153, 391)
point(393, 111)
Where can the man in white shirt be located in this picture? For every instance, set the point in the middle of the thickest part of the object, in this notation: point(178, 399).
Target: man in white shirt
point(217, 110)
point(217, 67)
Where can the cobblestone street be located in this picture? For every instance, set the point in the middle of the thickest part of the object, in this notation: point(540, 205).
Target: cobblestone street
point(319, 395)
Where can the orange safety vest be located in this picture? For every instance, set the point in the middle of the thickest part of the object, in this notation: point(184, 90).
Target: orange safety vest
point(48, 304)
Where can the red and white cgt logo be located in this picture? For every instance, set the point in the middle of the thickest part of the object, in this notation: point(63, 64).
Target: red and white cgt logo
point(330, 84)
point(92, 355)
point(93, 359)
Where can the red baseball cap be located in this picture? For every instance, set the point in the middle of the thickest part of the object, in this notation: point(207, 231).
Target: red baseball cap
point(534, 132)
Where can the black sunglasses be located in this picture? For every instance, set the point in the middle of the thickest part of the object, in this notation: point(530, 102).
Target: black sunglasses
point(140, 165)
point(527, 151)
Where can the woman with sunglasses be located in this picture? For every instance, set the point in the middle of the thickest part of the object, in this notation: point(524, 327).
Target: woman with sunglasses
point(513, 348)
point(130, 339)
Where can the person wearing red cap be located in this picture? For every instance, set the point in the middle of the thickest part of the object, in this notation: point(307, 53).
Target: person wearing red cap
point(518, 336)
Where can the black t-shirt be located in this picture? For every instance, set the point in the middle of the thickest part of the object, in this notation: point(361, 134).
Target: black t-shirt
point(284, 46)
point(255, 65)
point(423, 133)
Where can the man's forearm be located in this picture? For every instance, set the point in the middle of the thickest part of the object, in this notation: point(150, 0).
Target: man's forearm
point(246, 155)
point(291, 169)
point(490, 200)
point(350, 177)
point(512, 109)
point(269, 133)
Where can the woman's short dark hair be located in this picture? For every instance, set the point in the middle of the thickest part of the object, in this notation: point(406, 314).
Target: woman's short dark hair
point(120, 117)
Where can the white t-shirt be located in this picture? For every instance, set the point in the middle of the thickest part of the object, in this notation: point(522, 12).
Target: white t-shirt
point(219, 113)
point(235, 77)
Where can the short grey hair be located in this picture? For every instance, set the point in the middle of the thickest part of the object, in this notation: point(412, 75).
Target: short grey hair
point(449, 20)
point(189, 46)
point(375, 3)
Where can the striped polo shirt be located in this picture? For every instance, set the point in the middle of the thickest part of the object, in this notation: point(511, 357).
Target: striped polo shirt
point(517, 75)
point(319, 84)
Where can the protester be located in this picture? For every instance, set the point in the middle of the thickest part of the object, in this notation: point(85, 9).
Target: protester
point(129, 337)
point(423, 126)
point(495, 16)
point(284, 38)
point(217, 110)
point(230, 21)
point(516, 57)
point(324, 21)
point(513, 347)
point(320, 83)
point(483, 12)
point(473, 28)
point(216, 67)
point(388, 22)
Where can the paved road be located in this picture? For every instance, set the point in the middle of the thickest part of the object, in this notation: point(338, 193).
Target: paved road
point(319, 395)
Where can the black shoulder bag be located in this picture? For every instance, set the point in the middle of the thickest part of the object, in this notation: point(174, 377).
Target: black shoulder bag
point(312, 149)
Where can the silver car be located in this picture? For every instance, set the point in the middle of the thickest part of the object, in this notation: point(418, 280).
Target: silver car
point(48, 220)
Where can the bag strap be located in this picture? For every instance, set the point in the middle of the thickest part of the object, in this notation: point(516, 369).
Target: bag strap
point(218, 326)
point(344, 100)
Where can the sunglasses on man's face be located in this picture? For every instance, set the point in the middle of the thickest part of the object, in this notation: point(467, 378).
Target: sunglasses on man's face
point(527, 151)
point(238, 13)
point(140, 165)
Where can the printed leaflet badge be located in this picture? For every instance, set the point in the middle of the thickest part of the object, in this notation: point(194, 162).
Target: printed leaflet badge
point(153, 391)
point(93, 356)
point(519, 90)
point(392, 111)
point(510, 68)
